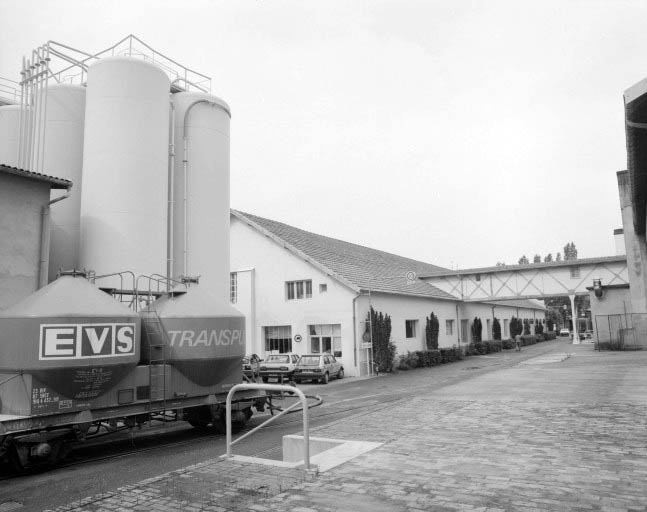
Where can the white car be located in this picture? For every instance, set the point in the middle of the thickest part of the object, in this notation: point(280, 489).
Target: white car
point(564, 332)
point(278, 367)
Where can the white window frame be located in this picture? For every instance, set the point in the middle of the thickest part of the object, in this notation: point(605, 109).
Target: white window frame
point(298, 290)
point(283, 344)
point(318, 332)
point(449, 327)
point(233, 287)
point(414, 329)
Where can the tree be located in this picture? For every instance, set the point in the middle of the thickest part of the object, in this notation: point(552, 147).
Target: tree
point(496, 329)
point(500, 264)
point(383, 347)
point(431, 332)
point(539, 327)
point(515, 326)
point(477, 330)
point(548, 258)
point(523, 260)
point(536, 259)
point(570, 252)
point(558, 257)
point(526, 326)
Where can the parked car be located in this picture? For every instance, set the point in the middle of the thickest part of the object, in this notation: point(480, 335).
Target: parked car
point(251, 366)
point(564, 332)
point(318, 367)
point(278, 367)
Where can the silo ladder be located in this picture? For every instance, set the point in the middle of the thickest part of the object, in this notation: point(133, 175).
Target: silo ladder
point(155, 334)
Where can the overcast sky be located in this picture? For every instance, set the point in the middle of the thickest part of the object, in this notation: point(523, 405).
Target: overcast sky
point(456, 133)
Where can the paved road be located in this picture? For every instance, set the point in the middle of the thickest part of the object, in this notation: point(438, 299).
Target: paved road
point(556, 427)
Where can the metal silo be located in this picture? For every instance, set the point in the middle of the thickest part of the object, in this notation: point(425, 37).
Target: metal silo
point(9, 134)
point(200, 236)
point(63, 157)
point(125, 168)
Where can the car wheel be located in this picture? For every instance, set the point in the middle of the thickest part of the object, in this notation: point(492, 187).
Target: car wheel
point(340, 375)
point(326, 378)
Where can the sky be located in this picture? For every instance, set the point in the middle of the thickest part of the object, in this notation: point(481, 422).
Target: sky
point(453, 132)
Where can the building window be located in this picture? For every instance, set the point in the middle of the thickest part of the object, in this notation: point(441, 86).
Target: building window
point(575, 272)
point(478, 277)
point(449, 327)
point(411, 328)
point(325, 339)
point(506, 328)
point(278, 339)
point(323, 288)
point(295, 290)
point(233, 287)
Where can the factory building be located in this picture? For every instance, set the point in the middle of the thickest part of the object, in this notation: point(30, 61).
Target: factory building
point(306, 293)
point(24, 231)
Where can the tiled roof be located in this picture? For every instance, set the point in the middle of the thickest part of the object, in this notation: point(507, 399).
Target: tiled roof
point(360, 268)
point(508, 268)
point(53, 181)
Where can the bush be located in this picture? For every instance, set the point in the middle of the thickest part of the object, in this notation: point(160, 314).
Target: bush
point(508, 344)
point(496, 329)
point(449, 355)
point(528, 339)
point(550, 335)
point(407, 361)
point(431, 331)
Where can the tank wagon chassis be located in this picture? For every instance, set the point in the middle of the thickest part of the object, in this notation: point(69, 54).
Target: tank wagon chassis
point(30, 441)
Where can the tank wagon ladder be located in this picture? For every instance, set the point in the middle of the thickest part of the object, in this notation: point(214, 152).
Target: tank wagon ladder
point(155, 334)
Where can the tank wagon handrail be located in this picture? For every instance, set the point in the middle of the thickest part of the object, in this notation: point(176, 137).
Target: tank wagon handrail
point(271, 387)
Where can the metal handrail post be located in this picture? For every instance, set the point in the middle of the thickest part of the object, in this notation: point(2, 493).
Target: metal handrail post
point(273, 387)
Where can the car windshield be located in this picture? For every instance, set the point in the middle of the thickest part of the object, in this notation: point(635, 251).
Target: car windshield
point(309, 360)
point(278, 359)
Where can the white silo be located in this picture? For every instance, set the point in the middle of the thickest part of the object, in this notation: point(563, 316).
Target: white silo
point(201, 190)
point(62, 156)
point(125, 168)
point(9, 134)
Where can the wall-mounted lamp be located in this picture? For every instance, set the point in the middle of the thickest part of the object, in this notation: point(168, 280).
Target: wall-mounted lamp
point(597, 288)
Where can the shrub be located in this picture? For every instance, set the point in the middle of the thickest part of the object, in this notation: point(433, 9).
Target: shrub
point(383, 348)
point(477, 329)
point(526, 326)
point(528, 339)
point(550, 335)
point(449, 355)
point(508, 344)
point(431, 332)
point(539, 328)
point(496, 329)
point(407, 361)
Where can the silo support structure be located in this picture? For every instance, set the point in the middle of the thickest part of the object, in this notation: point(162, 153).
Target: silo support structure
point(44, 238)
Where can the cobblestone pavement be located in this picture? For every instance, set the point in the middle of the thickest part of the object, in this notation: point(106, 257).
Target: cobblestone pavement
point(563, 432)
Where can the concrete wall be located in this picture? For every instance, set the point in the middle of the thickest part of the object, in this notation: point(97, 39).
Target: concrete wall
point(21, 201)
point(611, 312)
point(265, 268)
point(636, 247)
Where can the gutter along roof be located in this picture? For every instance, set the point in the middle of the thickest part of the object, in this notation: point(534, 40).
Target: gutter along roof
point(359, 268)
point(57, 183)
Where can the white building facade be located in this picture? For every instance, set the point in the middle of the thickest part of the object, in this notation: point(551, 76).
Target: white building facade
point(306, 293)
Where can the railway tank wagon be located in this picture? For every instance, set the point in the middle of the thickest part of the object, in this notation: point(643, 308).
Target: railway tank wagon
point(62, 350)
point(198, 341)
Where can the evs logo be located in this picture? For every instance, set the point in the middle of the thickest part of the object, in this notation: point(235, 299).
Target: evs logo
point(82, 341)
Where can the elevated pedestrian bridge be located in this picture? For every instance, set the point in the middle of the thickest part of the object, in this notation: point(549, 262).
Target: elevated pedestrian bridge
point(532, 281)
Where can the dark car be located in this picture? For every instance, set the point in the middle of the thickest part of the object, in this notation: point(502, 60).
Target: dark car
point(278, 367)
point(318, 367)
point(251, 366)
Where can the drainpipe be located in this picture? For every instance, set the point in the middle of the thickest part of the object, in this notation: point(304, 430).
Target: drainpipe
point(171, 201)
point(185, 168)
point(44, 238)
point(493, 318)
point(458, 327)
point(355, 347)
